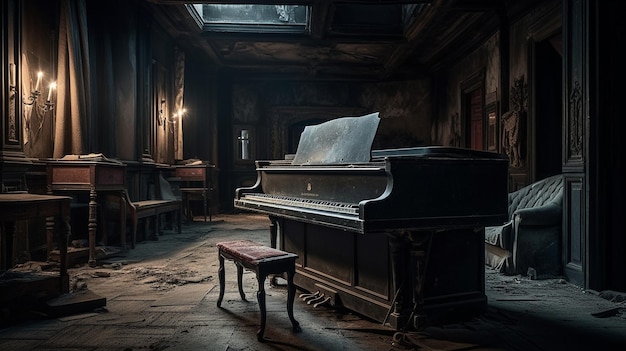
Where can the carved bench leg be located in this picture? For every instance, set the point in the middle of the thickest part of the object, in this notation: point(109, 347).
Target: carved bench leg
point(262, 268)
point(260, 295)
point(222, 276)
point(240, 280)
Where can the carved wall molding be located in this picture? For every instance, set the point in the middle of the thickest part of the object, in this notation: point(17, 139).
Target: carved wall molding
point(12, 130)
point(519, 95)
point(575, 122)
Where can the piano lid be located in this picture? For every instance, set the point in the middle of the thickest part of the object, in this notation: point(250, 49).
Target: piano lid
point(437, 152)
point(342, 140)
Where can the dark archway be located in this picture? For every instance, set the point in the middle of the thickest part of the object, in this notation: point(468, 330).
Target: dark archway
point(548, 109)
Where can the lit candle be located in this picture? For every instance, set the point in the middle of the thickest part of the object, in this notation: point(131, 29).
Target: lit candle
point(39, 76)
point(53, 85)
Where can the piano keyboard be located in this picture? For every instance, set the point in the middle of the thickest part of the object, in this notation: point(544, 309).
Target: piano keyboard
point(331, 206)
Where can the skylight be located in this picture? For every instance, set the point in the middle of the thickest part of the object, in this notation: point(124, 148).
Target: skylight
point(252, 18)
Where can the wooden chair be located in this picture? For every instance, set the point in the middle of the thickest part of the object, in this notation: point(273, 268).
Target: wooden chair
point(152, 210)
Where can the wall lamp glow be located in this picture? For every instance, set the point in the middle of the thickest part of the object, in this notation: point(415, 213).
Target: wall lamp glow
point(164, 120)
point(34, 95)
point(178, 115)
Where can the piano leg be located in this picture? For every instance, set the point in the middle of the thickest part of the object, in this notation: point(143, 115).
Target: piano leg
point(420, 252)
point(409, 256)
point(399, 245)
point(273, 231)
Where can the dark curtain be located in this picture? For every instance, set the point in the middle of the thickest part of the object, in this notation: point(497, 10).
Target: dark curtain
point(73, 79)
point(179, 87)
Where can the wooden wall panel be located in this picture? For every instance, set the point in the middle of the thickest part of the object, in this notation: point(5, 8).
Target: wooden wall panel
point(575, 133)
point(574, 238)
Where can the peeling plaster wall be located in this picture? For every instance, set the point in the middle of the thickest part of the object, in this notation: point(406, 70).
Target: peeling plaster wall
point(405, 107)
point(492, 71)
point(405, 111)
point(485, 59)
point(519, 51)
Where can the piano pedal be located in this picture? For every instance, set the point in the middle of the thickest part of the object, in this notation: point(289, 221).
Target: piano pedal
point(317, 299)
point(326, 295)
point(308, 296)
point(303, 295)
point(327, 299)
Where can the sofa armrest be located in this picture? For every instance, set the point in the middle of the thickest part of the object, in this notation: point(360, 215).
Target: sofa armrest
point(549, 214)
point(499, 235)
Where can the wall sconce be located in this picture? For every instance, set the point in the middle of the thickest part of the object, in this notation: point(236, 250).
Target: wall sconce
point(34, 95)
point(161, 118)
point(175, 117)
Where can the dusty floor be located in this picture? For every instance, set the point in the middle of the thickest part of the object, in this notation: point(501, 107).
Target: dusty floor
point(162, 296)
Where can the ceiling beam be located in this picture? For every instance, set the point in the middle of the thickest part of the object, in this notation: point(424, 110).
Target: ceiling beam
point(320, 14)
point(419, 24)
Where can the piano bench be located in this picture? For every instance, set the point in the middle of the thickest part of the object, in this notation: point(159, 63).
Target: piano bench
point(262, 260)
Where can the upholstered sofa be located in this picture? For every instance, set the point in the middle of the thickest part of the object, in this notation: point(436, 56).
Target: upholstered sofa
point(530, 241)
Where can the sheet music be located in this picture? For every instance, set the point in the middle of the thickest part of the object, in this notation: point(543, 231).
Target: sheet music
point(339, 141)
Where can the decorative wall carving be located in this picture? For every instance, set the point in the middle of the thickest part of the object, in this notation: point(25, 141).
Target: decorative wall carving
point(575, 121)
point(12, 130)
point(511, 138)
point(513, 124)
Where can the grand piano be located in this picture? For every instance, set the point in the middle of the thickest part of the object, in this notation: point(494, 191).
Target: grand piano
point(395, 235)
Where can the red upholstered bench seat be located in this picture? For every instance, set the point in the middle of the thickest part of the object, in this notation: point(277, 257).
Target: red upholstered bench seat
point(250, 251)
point(262, 260)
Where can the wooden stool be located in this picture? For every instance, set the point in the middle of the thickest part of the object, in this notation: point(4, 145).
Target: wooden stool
point(262, 260)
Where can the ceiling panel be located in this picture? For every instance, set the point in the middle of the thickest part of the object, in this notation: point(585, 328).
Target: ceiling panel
point(350, 39)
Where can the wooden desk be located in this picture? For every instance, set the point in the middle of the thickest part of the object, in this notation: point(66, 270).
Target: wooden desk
point(14, 207)
point(75, 176)
point(195, 180)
